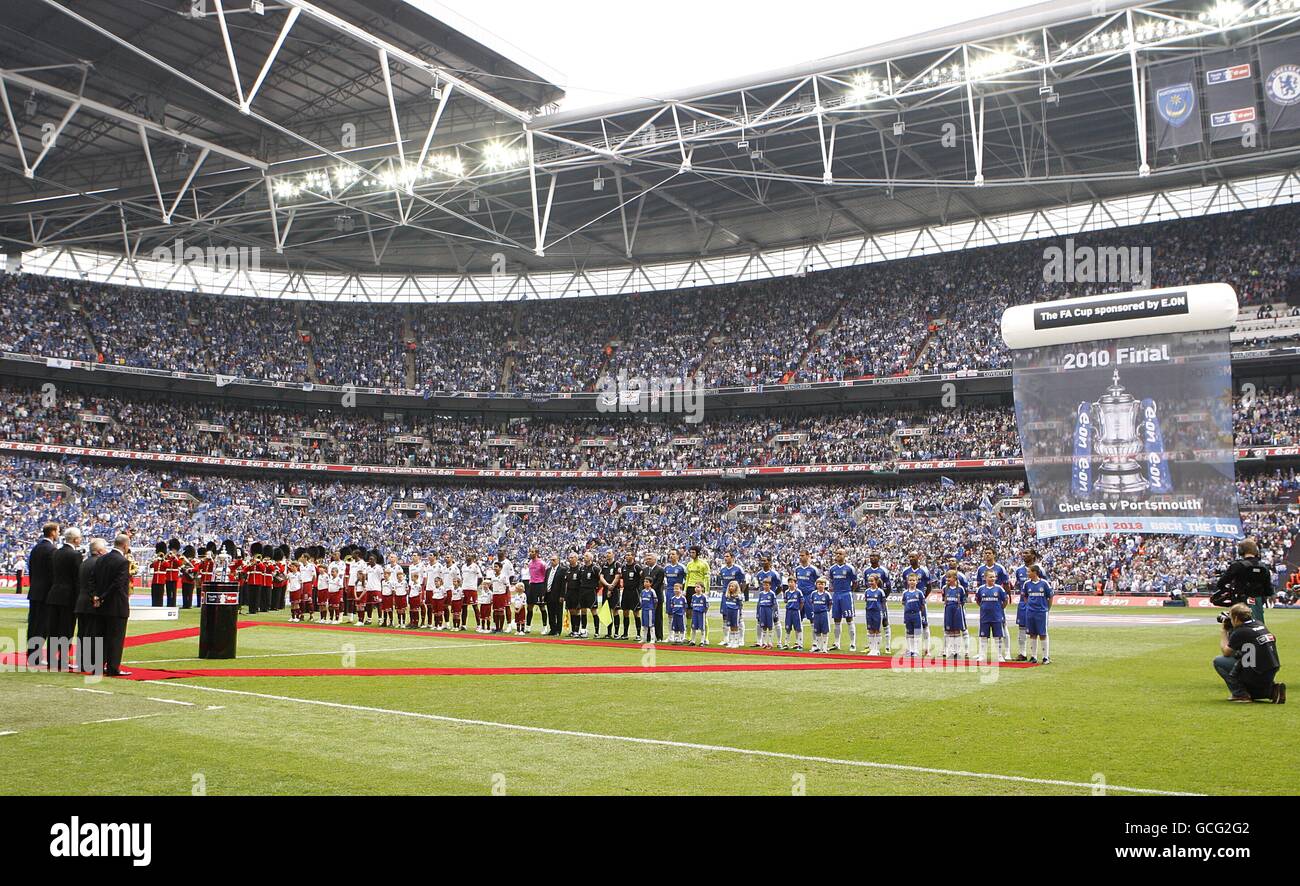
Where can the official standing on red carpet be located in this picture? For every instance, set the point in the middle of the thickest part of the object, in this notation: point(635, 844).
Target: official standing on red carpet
point(40, 575)
point(112, 599)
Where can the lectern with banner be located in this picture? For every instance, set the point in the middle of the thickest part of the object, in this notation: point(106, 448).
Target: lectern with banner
point(1124, 409)
point(219, 620)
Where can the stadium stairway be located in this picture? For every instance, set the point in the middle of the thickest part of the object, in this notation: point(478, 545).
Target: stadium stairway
point(308, 339)
point(83, 320)
point(408, 352)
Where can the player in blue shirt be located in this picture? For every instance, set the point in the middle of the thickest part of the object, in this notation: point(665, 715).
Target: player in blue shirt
point(887, 585)
point(991, 564)
point(793, 598)
point(805, 577)
point(674, 574)
point(1038, 601)
point(914, 568)
point(699, 620)
point(677, 613)
point(649, 602)
point(913, 613)
point(766, 615)
point(767, 573)
point(992, 599)
point(954, 566)
point(728, 573)
point(956, 639)
point(844, 582)
point(876, 613)
point(1022, 575)
point(821, 610)
point(731, 606)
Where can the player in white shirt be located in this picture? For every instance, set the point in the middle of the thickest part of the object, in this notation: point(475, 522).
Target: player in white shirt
point(374, 583)
point(415, 593)
point(520, 602)
point(293, 582)
point(334, 576)
point(389, 603)
point(431, 571)
point(355, 578)
point(471, 578)
point(457, 603)
point(438, 596)
point(500, 597)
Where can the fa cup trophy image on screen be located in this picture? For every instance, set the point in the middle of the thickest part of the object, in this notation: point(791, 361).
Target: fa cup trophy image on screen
point(1120, 437)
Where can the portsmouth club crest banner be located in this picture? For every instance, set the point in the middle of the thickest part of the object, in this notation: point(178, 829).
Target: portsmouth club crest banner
point(1103, 421)
point(1177, 113)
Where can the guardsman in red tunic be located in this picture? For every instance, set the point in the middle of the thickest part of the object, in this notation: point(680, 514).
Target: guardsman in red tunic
point(173, 570)
point(158, 573)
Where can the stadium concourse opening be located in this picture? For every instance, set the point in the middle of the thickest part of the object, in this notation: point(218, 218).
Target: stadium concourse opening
point(887, 423)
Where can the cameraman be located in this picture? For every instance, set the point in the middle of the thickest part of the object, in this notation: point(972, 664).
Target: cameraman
point(1249, 661)
point(1246, 578)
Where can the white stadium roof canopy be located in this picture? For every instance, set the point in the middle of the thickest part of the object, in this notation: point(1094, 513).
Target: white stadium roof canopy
point(364, 150)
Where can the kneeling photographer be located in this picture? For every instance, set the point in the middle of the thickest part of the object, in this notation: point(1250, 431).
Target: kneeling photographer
point(1246, 580)
point(1249, 661)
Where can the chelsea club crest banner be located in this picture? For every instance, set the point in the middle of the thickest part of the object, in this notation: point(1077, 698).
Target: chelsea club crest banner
point(1177, 112)
point(1124, 409)
point(1279, 65)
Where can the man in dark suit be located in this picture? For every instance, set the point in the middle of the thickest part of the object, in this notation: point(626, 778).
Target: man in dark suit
point(59, 617)
point(556, 576)
point(655, 573)
point(112, 599)
point(90, 627)
point(40, 564)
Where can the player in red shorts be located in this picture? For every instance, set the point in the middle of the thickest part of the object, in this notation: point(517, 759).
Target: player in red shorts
point(457, 604)
point(500, 598)
point(431, 572)
point(472, 580)
point(438, 595)
point(294, 579)
point(400, 586)
point(520, 602)
point(374, 586)
point(333, 573)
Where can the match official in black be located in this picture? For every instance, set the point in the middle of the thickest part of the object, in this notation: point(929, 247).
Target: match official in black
point(1249, 661)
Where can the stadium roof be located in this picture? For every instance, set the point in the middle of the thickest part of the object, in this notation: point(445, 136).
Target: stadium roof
point(460, 169)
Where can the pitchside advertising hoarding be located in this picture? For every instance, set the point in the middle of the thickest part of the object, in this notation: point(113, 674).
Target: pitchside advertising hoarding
point(1124, 408)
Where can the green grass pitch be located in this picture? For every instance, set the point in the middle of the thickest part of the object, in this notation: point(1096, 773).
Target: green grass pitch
point(1122, 706)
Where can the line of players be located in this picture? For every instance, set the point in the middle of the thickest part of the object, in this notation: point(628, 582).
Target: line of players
point(362, 586)
point(829, 599)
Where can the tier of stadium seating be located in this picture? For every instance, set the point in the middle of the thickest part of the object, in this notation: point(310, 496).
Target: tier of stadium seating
point(156, 423)
point(911, 316)
point(937, 520)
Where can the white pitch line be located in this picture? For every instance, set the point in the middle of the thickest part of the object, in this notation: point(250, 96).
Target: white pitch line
point(96, 691)
point(10, 732)
point(140, 661)
point(685, 745)
point(188, 704)
point(121, 719)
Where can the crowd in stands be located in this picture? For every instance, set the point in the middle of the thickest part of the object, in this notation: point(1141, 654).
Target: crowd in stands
point(940, 521)
point(350, 352)
point(918, 315)
point(167, 423)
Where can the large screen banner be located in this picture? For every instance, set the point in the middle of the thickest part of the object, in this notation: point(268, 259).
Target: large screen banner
point(1130, 434)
